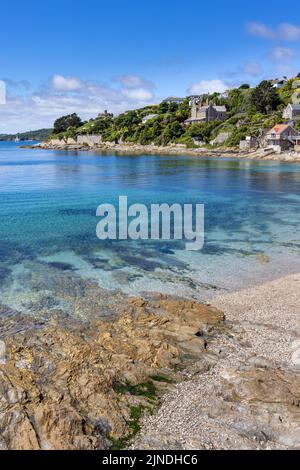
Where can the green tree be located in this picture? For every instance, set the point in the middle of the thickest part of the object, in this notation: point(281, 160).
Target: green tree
point(128, 119)
point(265, 98)
point(235, 100)
point(171, 132)
point(100, 124)
point(203, 130)
point(63, 123)
point(237, 135)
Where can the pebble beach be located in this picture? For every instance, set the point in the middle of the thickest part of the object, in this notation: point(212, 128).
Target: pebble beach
point(249, 398)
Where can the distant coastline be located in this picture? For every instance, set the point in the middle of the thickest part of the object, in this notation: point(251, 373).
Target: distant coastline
point(38, 135)
point(220, 152)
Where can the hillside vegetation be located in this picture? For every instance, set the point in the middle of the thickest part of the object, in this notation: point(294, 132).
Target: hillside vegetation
point(250, 111)
point(40, 134)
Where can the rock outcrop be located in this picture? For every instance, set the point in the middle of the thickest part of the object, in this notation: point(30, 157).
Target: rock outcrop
point(75, 387)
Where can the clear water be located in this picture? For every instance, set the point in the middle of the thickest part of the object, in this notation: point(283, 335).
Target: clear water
point(48, 204)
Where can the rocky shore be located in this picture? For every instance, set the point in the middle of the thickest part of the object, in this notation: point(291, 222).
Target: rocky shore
point(219, 152)
point(84, 384)
point(194, 378)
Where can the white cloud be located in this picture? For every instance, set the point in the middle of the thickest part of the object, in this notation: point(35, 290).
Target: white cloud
point(282, 53)
point(139, 94)
point(2, 92)
point(207, 86)
point(284, 31)
point(133, 81)
point(68, 95)
point(286, 69)
point(61, 83)
point(252, 68)
point(259, 29)
point(289, 31)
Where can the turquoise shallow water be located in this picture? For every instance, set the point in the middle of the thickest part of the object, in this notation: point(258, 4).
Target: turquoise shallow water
point(48, 204)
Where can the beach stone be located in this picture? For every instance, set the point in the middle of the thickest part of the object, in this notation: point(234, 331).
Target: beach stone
point(2, 352)
point(296, 353)
point(248, 408)
point(260, 362)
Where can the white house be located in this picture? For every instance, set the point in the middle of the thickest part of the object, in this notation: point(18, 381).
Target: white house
point(292, 112)
point(282, 137)
point(279, 82)
point(148, 117)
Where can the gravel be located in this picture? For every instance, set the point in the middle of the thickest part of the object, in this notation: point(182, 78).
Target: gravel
point(263, 331)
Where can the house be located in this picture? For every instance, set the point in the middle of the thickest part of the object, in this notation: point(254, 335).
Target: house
point(249, 143)
point(279, 82)
point(150, 116)
point(193, 98)
point(174, 99)
point(297, 144)
point(206, 113)
point(282, 137)
point(225, 94)
point(105, 114)
point(292, 112)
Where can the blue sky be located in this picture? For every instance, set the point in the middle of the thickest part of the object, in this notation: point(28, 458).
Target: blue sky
point(74, 56)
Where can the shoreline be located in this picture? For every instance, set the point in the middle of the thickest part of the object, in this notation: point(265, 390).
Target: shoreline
point(179, 150)
point(103, 372)
point(184, 375)
point(248, 399)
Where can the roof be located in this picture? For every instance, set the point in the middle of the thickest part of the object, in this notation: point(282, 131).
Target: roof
point(279, 80)
point(280, 128)
point(196, 96)
point(295, 107)
point(174, 98)
point(149, 116)
point(220, 109)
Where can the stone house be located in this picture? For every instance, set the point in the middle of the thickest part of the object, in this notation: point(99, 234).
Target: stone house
point(105, 114)
point(174, 99)
point(249, 143)
point(282, 137)
point(292, 112)
point(193, 98)
point(206, 113)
